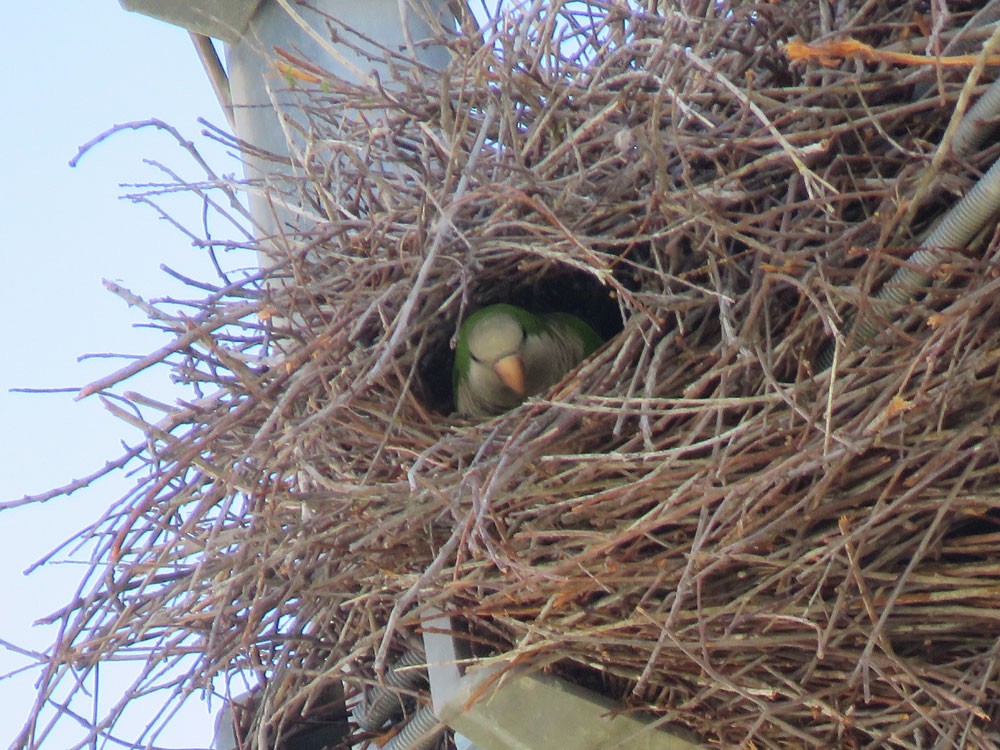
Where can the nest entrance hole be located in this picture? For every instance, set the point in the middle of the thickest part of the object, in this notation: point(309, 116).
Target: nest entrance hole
point(563, 290)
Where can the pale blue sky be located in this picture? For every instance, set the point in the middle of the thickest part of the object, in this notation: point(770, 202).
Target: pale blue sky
point(72, 70)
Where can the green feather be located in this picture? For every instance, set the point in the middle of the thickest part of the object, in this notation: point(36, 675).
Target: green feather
point(577, 327)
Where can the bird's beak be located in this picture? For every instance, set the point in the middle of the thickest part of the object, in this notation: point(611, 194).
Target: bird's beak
point(510, 370)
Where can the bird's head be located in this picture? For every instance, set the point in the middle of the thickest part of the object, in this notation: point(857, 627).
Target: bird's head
point(495, 339)
point(505, 353)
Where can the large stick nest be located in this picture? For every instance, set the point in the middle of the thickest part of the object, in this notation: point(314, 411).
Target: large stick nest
point(768, 555)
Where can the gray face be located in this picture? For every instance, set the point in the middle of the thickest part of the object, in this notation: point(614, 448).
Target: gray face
point(543, 358)
point(494, 338)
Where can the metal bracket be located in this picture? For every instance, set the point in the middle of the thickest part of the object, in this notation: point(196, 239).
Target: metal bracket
point(499, 707)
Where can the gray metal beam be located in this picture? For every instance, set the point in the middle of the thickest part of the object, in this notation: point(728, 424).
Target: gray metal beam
point(222, 19)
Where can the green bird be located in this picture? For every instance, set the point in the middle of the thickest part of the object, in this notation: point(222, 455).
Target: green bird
point(506, 354)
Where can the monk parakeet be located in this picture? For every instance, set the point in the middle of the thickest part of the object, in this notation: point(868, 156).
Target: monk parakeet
point(506, 353)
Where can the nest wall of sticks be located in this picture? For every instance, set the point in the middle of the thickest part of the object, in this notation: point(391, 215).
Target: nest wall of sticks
point(699, 520)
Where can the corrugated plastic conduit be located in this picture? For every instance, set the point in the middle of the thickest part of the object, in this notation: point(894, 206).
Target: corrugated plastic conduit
point(956, 229)
point(383, 703)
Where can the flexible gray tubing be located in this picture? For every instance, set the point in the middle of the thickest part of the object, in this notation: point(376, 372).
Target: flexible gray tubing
point(420, 733)
point(956, 229)
point(384, 702)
